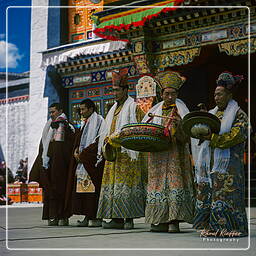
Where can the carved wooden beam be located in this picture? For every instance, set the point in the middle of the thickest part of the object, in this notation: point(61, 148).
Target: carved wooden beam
point(177, 58)
point(238, 47)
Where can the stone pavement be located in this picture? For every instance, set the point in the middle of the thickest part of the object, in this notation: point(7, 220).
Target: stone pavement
point(29, 235)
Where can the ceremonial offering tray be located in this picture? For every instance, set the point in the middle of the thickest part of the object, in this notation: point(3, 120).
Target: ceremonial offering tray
point(198, 124)
point(144, 137)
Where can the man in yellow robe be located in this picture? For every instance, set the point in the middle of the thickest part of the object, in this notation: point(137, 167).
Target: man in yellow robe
point(122, 196)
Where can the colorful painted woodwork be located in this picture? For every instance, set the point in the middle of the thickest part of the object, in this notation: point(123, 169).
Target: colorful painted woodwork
point(79, 17)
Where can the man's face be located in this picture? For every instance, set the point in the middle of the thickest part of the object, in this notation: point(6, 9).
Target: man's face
point(221, 97)
point(169, 96)
point(3, 164)
point(119, 93)
point(54, 113)
point(85, 111)
point(1, 179)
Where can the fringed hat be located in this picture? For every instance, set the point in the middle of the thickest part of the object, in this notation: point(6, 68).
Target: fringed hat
point(170, 79)
point(120, 77)
point(227, 80)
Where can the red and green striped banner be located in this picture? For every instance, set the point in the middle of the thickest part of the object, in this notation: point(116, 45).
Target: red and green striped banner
point(111, 24)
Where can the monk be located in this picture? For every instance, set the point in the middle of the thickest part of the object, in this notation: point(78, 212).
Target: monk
point(50, 168)
point(122, 196)
point(170, 191)
point(84, 180)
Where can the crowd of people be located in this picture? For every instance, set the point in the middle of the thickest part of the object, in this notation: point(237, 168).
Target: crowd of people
point(7, 177)
point(87, 172)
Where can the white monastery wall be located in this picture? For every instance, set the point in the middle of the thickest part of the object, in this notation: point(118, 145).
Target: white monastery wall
point(38, 106)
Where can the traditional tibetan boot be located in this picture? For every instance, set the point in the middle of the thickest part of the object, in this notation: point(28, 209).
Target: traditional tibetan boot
point(114, 223)
point(161, 227)
point(83, 223)
point(63, 222)
point(128, 224)
point(95, 223)
point(53, 222)
point(174, 227)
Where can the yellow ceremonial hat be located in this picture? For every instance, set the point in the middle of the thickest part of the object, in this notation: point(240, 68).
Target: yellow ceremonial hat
point(171, 79)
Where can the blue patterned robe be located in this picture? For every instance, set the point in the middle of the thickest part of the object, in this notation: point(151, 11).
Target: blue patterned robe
point(222, 207)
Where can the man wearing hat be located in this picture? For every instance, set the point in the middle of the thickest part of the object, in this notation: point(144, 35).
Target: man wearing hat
point(122, 196)
point(170, 191)
point(220, 206)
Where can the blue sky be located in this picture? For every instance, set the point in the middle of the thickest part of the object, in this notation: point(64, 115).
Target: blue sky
point(18, 35)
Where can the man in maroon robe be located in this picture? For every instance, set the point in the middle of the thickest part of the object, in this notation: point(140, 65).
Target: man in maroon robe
point(84, 177)
point(50, 168)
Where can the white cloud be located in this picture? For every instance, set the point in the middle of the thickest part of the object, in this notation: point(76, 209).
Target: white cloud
point(13, 55)
point(2, 36)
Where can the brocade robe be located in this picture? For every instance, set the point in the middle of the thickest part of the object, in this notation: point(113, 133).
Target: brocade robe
point(123, 183)
point(170, 191)
point(222, 207)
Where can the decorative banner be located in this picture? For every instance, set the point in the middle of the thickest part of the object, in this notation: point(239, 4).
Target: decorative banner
point(239, 47)
point(110, 24)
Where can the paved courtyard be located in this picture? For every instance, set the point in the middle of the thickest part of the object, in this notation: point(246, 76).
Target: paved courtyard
point(27, 234)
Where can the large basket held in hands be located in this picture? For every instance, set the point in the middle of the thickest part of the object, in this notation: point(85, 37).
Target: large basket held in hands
point(144, 137)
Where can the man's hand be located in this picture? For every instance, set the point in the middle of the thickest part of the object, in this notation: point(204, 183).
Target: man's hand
point(106, 140)
point(207, 137)
point(114, 139)
point(76, 155)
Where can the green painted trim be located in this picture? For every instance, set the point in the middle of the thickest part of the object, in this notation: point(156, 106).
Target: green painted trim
point(136, 17)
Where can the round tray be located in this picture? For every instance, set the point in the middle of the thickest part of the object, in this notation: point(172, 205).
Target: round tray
point(144, 137)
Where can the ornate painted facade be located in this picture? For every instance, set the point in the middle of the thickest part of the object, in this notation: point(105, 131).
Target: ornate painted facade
point(196, 40)
point(169, 39)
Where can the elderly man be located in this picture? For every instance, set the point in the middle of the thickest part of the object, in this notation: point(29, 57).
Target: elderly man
point(122, 196)
point(84, 179)
point(170, 191)
point(50, 168)
point(220, 170)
